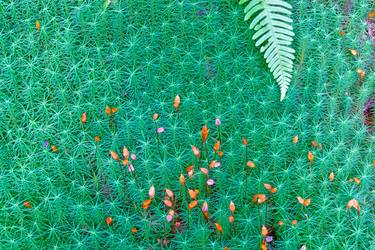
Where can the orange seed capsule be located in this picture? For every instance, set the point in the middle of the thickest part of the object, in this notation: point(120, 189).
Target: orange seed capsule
point(109, 220)
point(114, 155)
point(155, 116)
point(231, 219)
point(294, 222)
point(97, 138)
point(114, 110)
point(244, 141)
point(371, 14)
point(354, 52)
point(37, 25)
point(192, 204)
point(331, 176)
point(134, 230)
point(217, 146)
point(84, 118)
point(54, 149)
point(108, 110)
point(250, 164)
point(264, 231)
point(168, 203)
point(232, 207)
point(27, 204)
point(219, 228)
point(263, 245)
point(146, 204)
point(192, 194)
point(125, 152)
point(204, 134)
point(310, 156)
point(353, 203)
point(295, 139)
point(357, 180)
point(176, 102)
point(182, 180)
point(361, 73)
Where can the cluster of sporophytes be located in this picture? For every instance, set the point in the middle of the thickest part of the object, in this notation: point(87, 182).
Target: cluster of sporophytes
point(156, 124)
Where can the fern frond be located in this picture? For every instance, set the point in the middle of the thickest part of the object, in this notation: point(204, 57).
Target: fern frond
point(274, 33)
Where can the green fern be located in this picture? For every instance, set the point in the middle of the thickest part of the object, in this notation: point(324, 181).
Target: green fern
point(273, 30)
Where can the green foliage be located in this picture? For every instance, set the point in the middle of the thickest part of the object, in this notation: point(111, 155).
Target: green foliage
point(137, 56)
point(274, 33)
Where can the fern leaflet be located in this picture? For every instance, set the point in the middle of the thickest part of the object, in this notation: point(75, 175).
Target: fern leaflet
point(274, 33)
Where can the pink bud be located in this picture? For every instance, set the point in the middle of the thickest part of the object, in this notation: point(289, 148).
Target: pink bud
point(204, 170)
point(133, 157)
point(205, 207)
point(190, 173)
point(210, 182)
point(151, 192)
point(217, 122)
point(169, 218)
point(196, 151)
point(169, 193)
point(160, 130)
point(131, 168)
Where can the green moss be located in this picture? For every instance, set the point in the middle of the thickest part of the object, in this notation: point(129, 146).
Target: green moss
point(138, 56)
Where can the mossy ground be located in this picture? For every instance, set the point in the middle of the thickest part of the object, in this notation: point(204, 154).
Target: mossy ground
point(137, 56)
